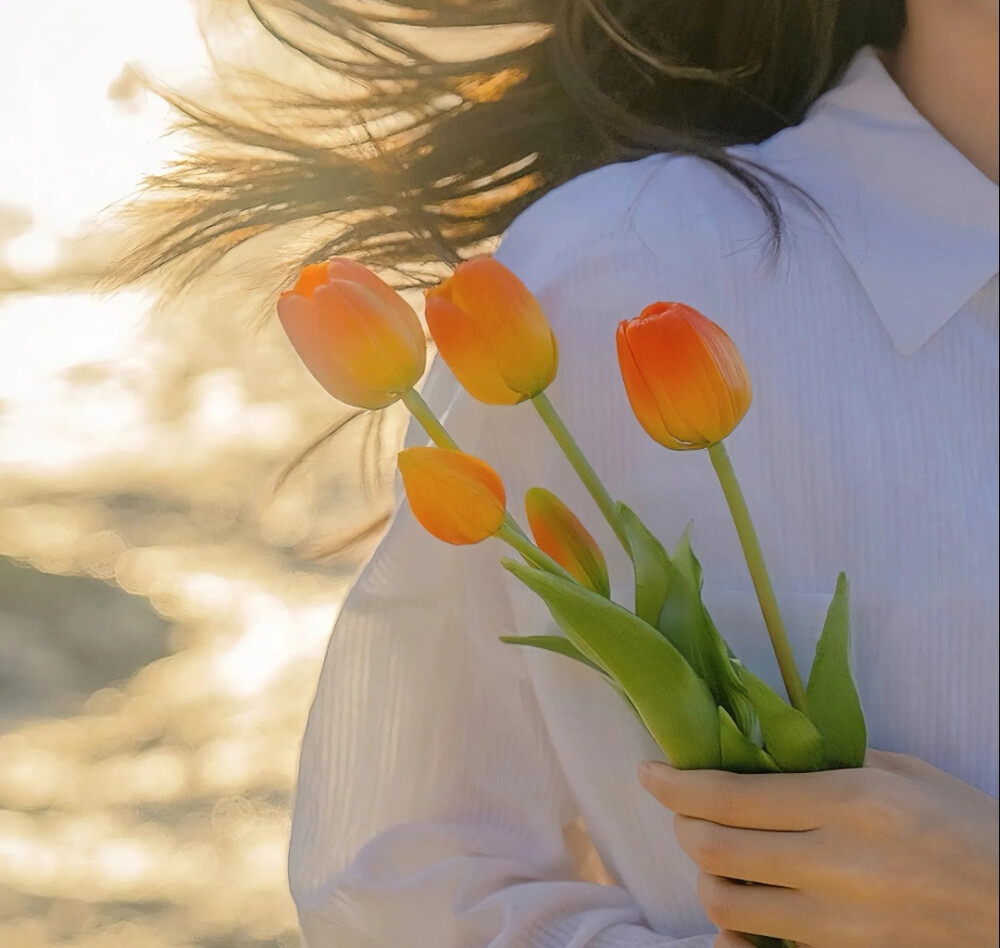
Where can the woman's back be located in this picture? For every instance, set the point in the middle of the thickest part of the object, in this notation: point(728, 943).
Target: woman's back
point(442, 769)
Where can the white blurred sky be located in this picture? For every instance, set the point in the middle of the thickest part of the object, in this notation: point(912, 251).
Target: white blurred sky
point(66, 149)
point(67, 152)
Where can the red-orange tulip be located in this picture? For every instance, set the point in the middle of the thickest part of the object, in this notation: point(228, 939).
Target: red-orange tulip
point(684, 377)
point(559, 533)
point(454, 496)
point(492, 333)
point(359, 338)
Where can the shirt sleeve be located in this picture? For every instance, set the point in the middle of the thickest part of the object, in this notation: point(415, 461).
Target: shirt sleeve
point(431, 806)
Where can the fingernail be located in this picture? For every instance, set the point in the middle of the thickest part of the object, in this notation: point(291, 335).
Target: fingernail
point(649, 769)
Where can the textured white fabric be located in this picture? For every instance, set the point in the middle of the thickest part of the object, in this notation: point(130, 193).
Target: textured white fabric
point(440, 767)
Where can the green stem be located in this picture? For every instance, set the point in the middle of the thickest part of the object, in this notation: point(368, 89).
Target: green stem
point(511, 531)
point(581, 465)
point(422, 412)
point(515, 526)
point(513, 535)
point(758, 573)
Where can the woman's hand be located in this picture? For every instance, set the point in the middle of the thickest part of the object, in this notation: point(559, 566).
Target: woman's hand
point(895, 855)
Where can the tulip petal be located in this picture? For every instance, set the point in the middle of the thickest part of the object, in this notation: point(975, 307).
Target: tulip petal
point(513, 323)
point(310, 277)
point(727, 382)
point(726, 379)
point(369, 338)
point(644, 404)
point(361, 341)
point(559, 533)
point(312, 341)
point(343, 268)
point(673, 372)
point(461, 341)
point(454, 496)
point(689, 369)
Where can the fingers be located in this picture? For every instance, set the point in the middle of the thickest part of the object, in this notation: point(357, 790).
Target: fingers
point(761, 909)
point(763, 856)
point(753, 801)
point(905, 765)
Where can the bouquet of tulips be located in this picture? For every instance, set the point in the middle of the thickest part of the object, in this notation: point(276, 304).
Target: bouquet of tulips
point(689, 389)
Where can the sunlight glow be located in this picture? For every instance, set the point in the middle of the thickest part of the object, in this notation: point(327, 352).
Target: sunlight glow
point(53, 96)
point(168, 627)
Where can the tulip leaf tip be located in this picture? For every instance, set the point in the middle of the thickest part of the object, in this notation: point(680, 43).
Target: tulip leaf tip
point(831, 696)
point(652, 566)
point(523, 571)
point(557, 644)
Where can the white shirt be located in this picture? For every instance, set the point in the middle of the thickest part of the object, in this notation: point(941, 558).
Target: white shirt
point(442, 768)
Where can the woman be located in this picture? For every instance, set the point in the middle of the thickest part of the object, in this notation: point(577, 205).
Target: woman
point(820, 178)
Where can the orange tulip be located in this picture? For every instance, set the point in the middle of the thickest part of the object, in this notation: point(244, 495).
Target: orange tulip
point(492, 333)
point(559, 533)
point(685, 379)
point(454, 496)
point(359, 338)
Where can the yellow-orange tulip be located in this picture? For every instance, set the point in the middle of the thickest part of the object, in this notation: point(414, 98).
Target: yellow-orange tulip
point(559, 533)
point(492, 333)
point(357, 336)
point(685, 379)
point(454, 496)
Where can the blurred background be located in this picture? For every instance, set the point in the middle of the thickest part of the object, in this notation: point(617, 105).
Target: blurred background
point(166, 586)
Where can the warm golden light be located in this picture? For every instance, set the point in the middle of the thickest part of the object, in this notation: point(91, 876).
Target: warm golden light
point(162, 621)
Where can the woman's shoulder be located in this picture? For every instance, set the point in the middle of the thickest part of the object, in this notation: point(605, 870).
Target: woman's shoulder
point(662, 227)
point(671, 213)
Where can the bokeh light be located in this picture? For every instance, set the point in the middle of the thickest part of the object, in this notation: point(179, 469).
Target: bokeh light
point(162, 619)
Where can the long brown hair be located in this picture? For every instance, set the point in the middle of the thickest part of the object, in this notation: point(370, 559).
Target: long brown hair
point(431, 144)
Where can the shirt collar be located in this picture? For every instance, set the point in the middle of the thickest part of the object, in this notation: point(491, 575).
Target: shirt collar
point(916, 221)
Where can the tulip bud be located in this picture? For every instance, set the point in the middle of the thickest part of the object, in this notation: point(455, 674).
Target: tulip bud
point(358, 337)
point(454, 496)
point(685, 379)
point(559, 533)
point(492, 333)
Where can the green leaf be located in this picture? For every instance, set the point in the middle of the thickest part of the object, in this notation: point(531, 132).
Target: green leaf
point(652, 566)
point(831, 698)
point(681, 618)
point(723, 678)
point(672, 701)
point(766, 941)
point(686, 622)
point(789, 736)
point(741, 707)
point(739, 754)
point(552, 643)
